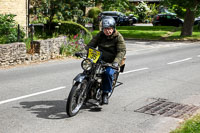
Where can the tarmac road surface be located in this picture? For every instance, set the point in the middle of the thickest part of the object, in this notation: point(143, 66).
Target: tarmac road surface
point(33, 98)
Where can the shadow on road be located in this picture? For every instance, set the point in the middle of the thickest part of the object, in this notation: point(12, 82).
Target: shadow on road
point(91, 108)
point(47, 109)
point(53, 109)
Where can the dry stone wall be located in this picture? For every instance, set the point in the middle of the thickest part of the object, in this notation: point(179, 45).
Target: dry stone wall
point(16, 53)
point(49, 49)
point(12, 54)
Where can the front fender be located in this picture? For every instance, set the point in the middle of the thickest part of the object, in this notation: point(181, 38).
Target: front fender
point(79, 78)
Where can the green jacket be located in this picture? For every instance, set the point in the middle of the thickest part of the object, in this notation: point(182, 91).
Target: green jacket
point(113, 48)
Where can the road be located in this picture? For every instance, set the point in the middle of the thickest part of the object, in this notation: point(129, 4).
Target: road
point(33, 98)
point(143, 24)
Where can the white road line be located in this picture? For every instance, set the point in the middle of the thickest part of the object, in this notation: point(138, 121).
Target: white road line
point(178, 61)
point(55, 89)
point(136, 70)
point(30, 95)
point(198, 55)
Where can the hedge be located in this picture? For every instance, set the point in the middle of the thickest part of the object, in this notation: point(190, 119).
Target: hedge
point(67, 28)
point(72, 28)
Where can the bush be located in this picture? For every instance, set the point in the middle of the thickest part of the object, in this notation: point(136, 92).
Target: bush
point(72, 45)
point(70, 29)
point(9, 29)
point(142, 10)
point(93, 13)
point(66, 28)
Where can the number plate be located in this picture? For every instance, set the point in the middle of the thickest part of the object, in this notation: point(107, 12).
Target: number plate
point(93, 55)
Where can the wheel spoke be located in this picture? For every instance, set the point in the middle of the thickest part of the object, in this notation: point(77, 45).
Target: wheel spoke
point(78, 98)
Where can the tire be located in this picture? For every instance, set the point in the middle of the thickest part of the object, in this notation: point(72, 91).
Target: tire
point(76, 98)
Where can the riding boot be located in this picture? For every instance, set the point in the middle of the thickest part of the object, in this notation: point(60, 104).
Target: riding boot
point(105, 98)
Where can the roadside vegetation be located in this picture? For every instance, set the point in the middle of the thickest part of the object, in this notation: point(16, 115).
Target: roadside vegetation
point(191, 125)
point(194, 37)
point(168, 33)
point(9, 30)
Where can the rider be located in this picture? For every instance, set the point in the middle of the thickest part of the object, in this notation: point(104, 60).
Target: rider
point(111, 43)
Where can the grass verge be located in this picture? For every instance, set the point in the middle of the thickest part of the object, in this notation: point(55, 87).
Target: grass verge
point(168, 33)
point(191, 125)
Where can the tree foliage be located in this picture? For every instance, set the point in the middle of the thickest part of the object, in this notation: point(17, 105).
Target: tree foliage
point(93, 13)
point(46, 11)
point(180, 11)
point(50, 11)
point(9, 29)
point(115, 5)
point(142, 10)
point(192, 9)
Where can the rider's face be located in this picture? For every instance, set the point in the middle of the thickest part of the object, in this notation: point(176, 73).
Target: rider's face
point(108, 31)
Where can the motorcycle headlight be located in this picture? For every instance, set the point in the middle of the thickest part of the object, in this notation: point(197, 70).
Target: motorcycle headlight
point(86, 65)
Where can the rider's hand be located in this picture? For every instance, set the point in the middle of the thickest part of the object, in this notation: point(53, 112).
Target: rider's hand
point(78, 54)
point(86, 47)
point(115, 64)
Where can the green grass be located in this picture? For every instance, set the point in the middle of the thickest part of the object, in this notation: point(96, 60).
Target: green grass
point(145, 28)
point(154, 33)
point(142, 34)
point(195, 35)
point(191, 125)
point(176, 36)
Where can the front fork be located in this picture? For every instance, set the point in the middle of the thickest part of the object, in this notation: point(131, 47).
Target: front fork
point(96, 94)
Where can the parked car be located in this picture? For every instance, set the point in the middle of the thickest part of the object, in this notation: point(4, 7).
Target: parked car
point(132, 19)
point(119, 17)
point(167, 20)
point(196, 21)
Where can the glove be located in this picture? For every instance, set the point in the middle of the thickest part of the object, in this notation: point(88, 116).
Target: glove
point(115, 64)
point(78, 54)
point(86, 47)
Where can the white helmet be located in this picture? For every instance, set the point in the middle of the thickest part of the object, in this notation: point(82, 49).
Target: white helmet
point(108, 21)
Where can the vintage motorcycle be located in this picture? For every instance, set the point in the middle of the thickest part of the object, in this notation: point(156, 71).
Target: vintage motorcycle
point(87, 85)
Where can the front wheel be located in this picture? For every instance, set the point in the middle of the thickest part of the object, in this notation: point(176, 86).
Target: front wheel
point(76, 98)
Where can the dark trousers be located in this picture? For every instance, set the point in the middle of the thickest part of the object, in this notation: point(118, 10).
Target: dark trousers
point(107, 81)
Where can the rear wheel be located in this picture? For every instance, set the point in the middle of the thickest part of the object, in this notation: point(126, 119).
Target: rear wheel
point(76, 98)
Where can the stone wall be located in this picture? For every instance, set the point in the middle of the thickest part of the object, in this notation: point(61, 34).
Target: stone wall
point(12, 54)
point(16, 53)
point(47, 49)
point(17, 7)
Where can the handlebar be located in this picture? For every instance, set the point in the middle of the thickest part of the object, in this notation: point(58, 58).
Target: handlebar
point(104, 64)
point(80, 54)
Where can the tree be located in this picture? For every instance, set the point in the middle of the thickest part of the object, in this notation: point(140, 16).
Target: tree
point(115, 5)
point(180, 11)
point(192, 8)
point(143, 11)
point(9, 29)
point(45, 11)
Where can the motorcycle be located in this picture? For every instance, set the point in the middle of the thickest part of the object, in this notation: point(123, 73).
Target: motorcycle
point(87, 85)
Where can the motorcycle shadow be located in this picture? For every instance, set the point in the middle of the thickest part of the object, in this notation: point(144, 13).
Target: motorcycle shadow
point(47, 109)
point(91, 107)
